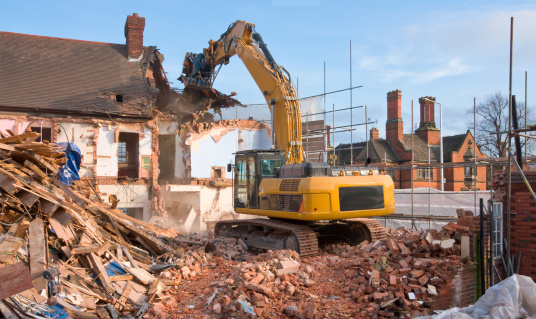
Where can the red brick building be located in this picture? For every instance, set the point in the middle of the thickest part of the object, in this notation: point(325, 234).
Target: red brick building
point(393, 154)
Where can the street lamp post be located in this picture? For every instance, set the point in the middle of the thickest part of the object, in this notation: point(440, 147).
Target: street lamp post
point(440, 140)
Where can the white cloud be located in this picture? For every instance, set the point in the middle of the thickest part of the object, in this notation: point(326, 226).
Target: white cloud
point(452, 45)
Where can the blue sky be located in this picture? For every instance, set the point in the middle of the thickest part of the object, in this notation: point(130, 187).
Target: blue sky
point(453, 50)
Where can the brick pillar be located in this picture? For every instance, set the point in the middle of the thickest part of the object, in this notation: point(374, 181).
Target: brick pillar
point(134, 34)
point(374, 134)
point(394, 126)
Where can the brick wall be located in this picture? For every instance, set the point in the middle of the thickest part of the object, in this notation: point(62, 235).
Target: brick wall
point(458, 290)
point(523, 223)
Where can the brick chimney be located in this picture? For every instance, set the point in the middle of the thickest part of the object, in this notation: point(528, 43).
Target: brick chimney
point(427, 128)
point(374, 134)
point(134, 35)
point(394, 126)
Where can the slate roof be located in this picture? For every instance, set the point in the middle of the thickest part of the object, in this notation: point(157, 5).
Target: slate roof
point(70, 76)
point(380, 150)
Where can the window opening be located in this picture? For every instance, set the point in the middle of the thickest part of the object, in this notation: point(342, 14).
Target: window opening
point(127, 155)
point(468, 171)
point(119, 98)
point(425, 173)
point(46, 133)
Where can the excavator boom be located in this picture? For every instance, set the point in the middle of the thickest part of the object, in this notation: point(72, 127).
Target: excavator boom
point(274, 82)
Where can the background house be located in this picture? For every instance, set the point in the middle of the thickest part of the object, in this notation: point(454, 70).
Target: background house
point(393, 154)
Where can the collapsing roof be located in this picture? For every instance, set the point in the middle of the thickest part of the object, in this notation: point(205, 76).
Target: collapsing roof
point(53, 74)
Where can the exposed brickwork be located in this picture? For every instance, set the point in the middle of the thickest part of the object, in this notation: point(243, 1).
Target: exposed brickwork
point(134, 27)
point(459, 290)
point(523, 222)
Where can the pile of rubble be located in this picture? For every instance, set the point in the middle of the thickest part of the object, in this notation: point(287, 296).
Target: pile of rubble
point(62, 250)
point(396, 278)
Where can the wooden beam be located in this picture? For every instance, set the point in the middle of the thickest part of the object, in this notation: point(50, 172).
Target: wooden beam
point(14, 278)
point(129, 257)
point(28, 199)
point(126, 292)
point(18, 138)
point(37, 253)
point(98, 267)
point(79, 250)
point(12, 242)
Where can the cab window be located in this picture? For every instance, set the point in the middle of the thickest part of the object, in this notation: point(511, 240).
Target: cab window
point(267, 167)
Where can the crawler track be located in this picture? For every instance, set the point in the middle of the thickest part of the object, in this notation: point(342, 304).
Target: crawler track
point(307, 241)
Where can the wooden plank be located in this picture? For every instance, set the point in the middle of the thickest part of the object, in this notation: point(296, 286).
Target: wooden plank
point(121, 277)
point(129, 257)
point(79, 250)
point(28, 199)
point(7, 183)
point(48, 207)
point(98, 267)
point(12, 241)
point(103, 248)
point(6, 147)
point(36, 170)
point(126, 292)
point(46, 164)
point(74, 197)
point(61, 231)
point(62, 216)
point(82, 314)
point(14, 278)
point(141, 274)
point(18, 138)
point(37, 253)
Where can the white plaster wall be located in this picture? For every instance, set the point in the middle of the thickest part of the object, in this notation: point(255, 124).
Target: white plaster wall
point(146, 143)
point(253, 140)
point(205, 152)
point(210, 204)
point(82, 136)
point(129, 196)
point(168, 127)
point(180, 156)
point(106, 152)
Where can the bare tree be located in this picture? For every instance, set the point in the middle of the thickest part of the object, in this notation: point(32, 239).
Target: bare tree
point(491, 117)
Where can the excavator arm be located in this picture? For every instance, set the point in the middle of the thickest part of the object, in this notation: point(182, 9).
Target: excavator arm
point(200, 71)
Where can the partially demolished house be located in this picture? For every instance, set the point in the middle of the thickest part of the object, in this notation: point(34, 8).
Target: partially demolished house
point(114, 102)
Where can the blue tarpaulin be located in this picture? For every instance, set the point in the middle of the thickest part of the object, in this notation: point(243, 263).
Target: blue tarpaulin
point(69, 172)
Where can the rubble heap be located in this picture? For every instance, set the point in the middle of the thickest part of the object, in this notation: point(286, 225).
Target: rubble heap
point(397, 278)
point(62, 250)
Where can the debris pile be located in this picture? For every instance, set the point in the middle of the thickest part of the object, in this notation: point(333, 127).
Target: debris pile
point(399, 277)
point(62, 250)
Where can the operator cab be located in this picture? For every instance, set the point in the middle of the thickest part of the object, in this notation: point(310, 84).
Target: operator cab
point(251, 167)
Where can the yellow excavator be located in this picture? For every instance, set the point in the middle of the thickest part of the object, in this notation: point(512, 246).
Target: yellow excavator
point(304, 201)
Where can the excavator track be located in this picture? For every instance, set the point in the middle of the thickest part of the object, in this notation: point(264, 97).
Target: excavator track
point(306, 236)
point(376, 229)
point(307, 244)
